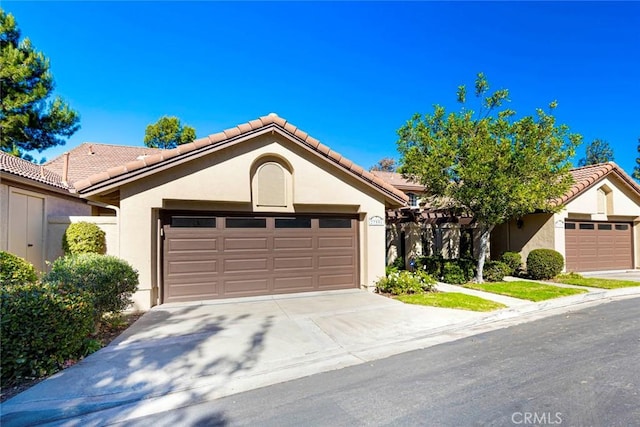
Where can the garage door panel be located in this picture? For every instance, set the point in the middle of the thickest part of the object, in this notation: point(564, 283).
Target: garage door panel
point(335, 280)
point(592, 246)
point(244, 287)
point(283, 243)
point(292, 263)
point(192, 267)
point(245, 243)
point(189, 290)
point(246, 265)
point(332, 242)
point(294, 283)
point(335, 261)
point(282, 255)
point(193, 244)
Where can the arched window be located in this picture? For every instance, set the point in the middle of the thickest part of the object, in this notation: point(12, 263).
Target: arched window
point(605, 200)
point(271, 184)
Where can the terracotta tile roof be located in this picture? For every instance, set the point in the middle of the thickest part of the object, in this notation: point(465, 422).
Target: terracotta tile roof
point(16, 166)
point(398, 181)
point(90, 158)
point(133, 168)
point(587, 176)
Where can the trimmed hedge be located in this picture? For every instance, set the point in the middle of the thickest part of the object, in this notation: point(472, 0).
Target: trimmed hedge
point(42, 327)
point(83, 237)
point(513, 260)
point(494, 271)
point(405, 282)
point(544, 263)
point(111, 280)
point(15, 270)
point(454, 274)
point(455, 271)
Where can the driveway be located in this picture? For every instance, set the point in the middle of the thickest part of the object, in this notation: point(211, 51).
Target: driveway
point(179, 353)
point(633, 275)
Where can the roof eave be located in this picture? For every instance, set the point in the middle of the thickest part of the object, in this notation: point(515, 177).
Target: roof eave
point(112, 183)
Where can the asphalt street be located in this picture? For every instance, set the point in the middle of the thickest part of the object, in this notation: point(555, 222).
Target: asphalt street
point(576, 369)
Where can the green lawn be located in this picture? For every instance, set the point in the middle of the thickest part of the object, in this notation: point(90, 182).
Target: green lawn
point(451, 300)
point(575, 279)
point(525, 290)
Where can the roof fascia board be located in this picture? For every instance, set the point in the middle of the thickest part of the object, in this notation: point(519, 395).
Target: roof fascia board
point(8, 178)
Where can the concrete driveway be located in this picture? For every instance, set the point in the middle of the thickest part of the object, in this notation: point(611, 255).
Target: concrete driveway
point(633, 275)
point(185, 353)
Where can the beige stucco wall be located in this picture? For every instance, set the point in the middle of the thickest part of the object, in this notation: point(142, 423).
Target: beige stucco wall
point(54, 205)
point(625, 203)
point(222, 181)
point(536, 231)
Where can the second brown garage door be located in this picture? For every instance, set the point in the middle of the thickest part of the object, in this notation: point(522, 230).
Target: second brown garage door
point(596, 246)
point(210, 257)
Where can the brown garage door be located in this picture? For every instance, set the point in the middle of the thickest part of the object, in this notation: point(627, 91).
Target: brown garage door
point(209, 257)
point(594, 246)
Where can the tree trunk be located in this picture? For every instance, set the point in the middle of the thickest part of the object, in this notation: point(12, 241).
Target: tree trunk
point(485, 234)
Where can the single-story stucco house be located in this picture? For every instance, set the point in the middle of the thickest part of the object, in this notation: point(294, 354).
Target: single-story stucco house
point(259, 209)
point(597, 229)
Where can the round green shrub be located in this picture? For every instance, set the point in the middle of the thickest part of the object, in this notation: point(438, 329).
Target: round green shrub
point(42, 327)
point(544, 263)
point(405, 282)
point(513, 260)
point(494, 271)
point(83, 237)
point(432, 264)
point(109, 279)
point(15, 270)
point(453, 274)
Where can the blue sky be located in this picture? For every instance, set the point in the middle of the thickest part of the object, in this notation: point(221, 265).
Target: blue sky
point(348, 73)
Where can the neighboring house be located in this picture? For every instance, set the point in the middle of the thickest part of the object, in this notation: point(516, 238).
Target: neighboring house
point(598, 229)
point(422, 229)
point(259, 209)
point(30, 196)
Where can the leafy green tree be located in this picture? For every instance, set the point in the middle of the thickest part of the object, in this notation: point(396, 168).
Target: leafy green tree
point(168, 132)
point(636, 170)
point(489, 164)
point(598, 151)
point(386, 164)
point(28, 121)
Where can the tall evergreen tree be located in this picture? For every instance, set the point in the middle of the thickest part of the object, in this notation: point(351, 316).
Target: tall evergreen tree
point(636, 170)
point(28, 119)
point(598, 151)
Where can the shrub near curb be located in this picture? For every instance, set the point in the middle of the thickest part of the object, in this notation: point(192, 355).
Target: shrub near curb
point(494, 271)
point(83, 237)
point(15, 270)
point(109, 279)
point(513, 260)
point(544, 263)
point(41, 329)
